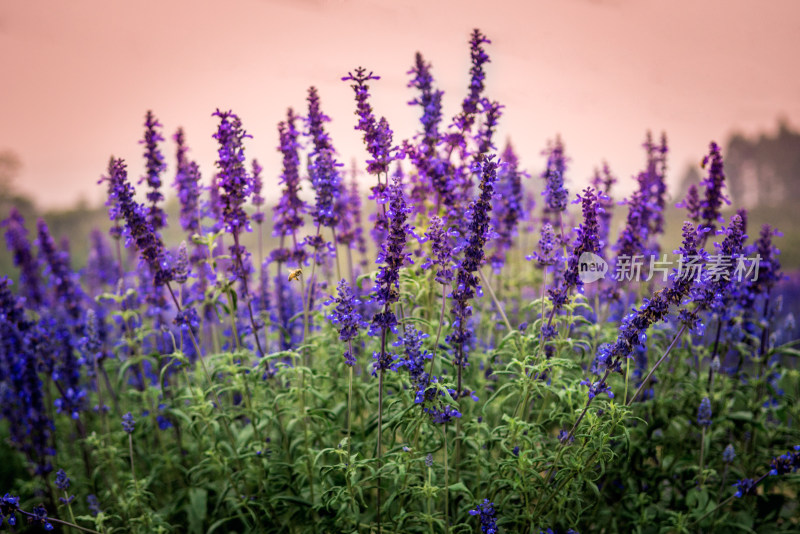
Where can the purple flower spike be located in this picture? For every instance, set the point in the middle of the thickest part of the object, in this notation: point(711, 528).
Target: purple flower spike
point(20, 248)
point(258, 200)
point(155, 164)
point(288, 213)
point(441, 251)
point(347, 318)
point(487, 515)
point(704, 413)
point(479, 58)
point(714, 183)
point(137, 229)
point(691, 203)
point(556, 195)
point(232, 178)
point(377, 134)
point(466, 284)
point(393, 256)
point(187, 182)
point(507, 209)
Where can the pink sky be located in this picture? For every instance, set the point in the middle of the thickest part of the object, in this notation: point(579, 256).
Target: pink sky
point(80, 75)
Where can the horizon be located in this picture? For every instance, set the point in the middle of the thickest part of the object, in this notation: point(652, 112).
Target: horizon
point(578, 69)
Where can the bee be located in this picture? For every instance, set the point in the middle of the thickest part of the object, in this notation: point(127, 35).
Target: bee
point(295, 274)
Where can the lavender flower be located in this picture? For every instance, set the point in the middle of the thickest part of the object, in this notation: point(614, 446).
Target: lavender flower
point(430, 178)
point(745, 486)
point(466, 283)
point(602, 182)
point(289, 211)
point(714, 183)
point(704, 413)
point(393, 257)
point(101, 266)
point(555, 193)
point(232, 177)
point(346, 316)
point(137, 229)
point(424, 155)
point(315, 122)
point(712, 292)
point(548, 243)
point(180, 272)
point(20, 248)
point(691, 203)
point(441, 251)
point(487, 515)
point(728, 454)
point(21, 342)
point(187, 183)
point(634, 325)
point(587, 240)
point(414, 356)
point(507, 208)
point(785, 463)
point(257, 199)
point(155, 164)
point(63, 280)
point(483, 138)
point(349, 232)
point(653, 181)
point(469, 107)
point(128, 424)
point(62, 481)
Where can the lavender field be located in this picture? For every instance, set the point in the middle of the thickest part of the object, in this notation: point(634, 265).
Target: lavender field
point(468, 347)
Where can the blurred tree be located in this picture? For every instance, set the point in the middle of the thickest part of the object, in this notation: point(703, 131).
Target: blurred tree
point(763, 170)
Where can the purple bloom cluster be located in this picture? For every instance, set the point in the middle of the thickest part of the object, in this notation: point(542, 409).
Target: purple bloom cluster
point(20, 345)
point(414, 355)
point(728, 454)
point(507, 209)
point(704, 412)
point(711, 293)
point(377, 134)
point(347, 318)
point(128, 423)
point(786, 463)
point(288, 213)
point(62, 279)
point(548, 247)
point(653, 181)
point(155, 164)
point(466, 282)
point(586, 242)
point(633, 330)
point(556, 195)
point(323, 169)
point(691, 203)
point(232, 177)
point(471, 103)
point(9, 507)
point(393, 256)
point(257, 200)
point(487, 515)
point(138, 231)
point(20, 248)
point(602, 182)
point(441, 250)
point(714, 183)
point(432, 175)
